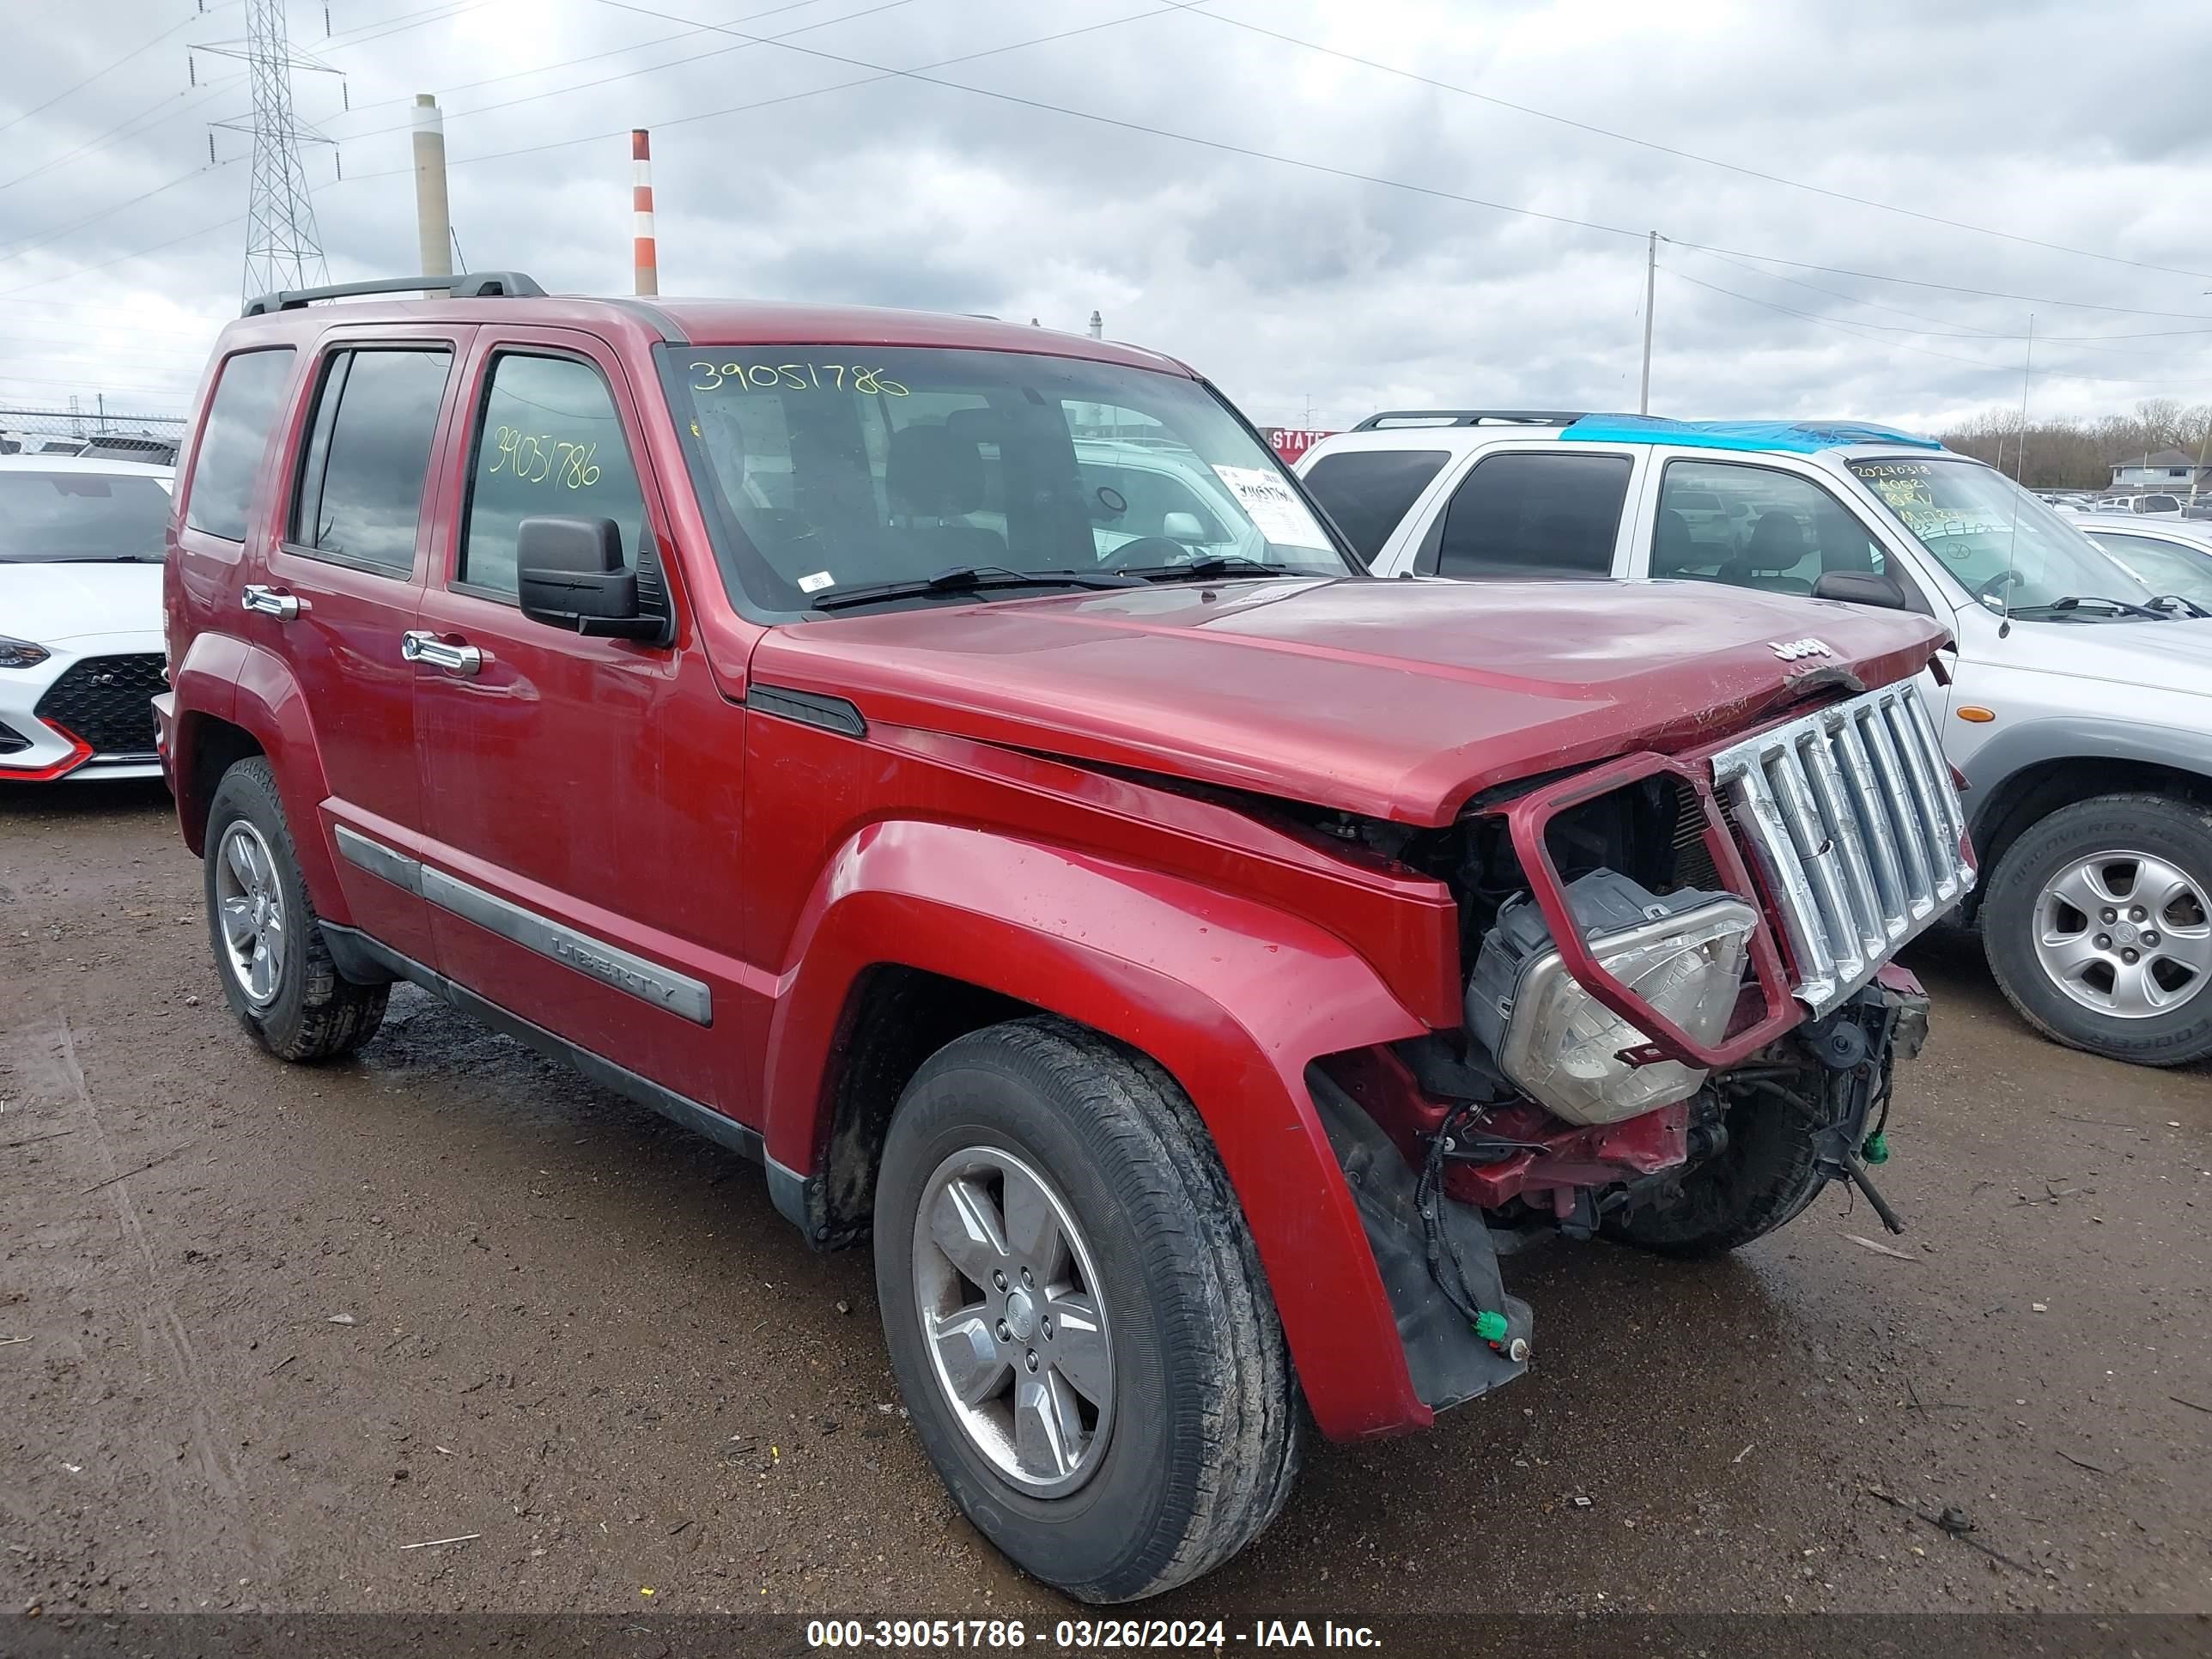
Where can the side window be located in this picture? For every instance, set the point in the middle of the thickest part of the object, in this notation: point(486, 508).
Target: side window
point(1753, 526)
point(359, 496)
point(1540, 515)
point(549, 444)
point(1367, 491)
point(233, 437)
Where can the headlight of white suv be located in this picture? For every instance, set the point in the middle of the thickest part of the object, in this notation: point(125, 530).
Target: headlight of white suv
point(20, 653)
point(1684, 954)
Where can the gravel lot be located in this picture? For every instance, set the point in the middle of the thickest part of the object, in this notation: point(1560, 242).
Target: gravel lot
point(281, 1323)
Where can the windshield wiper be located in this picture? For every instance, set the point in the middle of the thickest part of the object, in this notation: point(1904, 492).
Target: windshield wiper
point(971, 579)
point(1214, 564)
point(2189, 607)
point(2076, 601)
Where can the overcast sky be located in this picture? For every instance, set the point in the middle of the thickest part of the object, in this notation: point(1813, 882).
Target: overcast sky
point(1291, 283)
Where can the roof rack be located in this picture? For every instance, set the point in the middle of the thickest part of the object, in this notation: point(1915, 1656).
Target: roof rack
point(1469, 417)
point(471, 285)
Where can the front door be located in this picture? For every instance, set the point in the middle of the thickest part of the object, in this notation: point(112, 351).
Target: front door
point(582, 795)
point(340, 586)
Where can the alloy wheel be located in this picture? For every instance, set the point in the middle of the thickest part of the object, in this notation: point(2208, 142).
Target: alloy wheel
point(1013, 1318)
point(250, 909)
point(2126, 934)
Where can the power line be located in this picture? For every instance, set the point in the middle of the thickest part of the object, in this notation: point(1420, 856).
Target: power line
point(649, 69)
point(21, 248)
point(1947, 288)
point(144, 45)
point(2083, 342)
point(1853, 330)
point(120, 127)
point(565, 63)
point(1692, 155)
point(663, 122)
point(121, 258)
point(1249, 151)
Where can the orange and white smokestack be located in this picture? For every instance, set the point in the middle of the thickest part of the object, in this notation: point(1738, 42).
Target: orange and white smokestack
point(647, 255)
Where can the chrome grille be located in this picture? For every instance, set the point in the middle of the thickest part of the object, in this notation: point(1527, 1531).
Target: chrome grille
point(1852, 820)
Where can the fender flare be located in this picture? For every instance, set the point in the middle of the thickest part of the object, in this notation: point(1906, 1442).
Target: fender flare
point(262, 698)
point(2073, 737)
point(1233, 998)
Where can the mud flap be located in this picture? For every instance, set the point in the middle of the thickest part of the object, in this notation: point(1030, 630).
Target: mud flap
point(1448, 1362)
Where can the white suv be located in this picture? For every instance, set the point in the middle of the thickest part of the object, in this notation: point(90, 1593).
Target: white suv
point(2077, 704)
point(81, 649)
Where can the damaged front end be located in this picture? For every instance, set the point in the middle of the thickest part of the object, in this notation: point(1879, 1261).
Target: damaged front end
point(1681, 1018)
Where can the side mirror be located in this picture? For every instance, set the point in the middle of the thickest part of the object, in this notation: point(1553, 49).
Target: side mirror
point(1181, 527)
point(569, 574)
point(1863, 587)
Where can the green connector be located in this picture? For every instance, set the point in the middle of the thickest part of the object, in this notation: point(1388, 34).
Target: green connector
point(1490, 1326)
point(1876, 1149)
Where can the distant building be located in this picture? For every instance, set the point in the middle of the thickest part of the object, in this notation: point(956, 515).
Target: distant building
point(2172, 469)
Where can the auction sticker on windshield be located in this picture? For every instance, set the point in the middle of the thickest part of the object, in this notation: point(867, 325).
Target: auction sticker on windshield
point(1272, 505)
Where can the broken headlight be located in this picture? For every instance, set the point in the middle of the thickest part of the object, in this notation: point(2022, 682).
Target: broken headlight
point(1682, 954)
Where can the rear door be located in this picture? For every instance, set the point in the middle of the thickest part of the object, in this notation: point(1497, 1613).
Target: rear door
point(582, 795)
point(339, 587)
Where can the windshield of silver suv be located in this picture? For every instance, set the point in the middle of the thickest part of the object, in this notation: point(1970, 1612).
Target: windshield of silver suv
point(65, 518)
point(2004, 546)
point(846, 475)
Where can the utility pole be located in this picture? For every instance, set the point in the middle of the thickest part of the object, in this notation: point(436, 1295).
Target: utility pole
point(433, 222)
point(283, 247)
point(1650, 289)
point(647, 251)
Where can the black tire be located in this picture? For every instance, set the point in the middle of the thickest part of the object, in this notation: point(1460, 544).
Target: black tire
point(2158, 825)
point(314, 1013)
point(1763, 1179)
point(1207, 1427)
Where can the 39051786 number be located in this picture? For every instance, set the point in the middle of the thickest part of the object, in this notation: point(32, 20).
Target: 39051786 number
point(796, 377)
point(540, 457)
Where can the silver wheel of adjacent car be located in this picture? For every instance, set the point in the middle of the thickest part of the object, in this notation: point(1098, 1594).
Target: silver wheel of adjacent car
point(1013, 1321)
point(2126, 933)
point(250, 906)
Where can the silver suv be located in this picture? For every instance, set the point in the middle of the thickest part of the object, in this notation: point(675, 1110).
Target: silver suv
point(2076, 703)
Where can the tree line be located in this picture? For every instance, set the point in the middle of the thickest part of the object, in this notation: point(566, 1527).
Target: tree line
point(2080, 454)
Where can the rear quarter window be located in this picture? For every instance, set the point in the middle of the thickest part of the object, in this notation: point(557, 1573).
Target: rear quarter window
point(1368, 491)
point(234, 438)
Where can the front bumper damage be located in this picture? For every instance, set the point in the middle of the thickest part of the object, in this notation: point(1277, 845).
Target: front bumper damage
point(1451, 1363)
point(1840, 828)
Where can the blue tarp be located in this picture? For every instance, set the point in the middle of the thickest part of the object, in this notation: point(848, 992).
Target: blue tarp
point(1792, 437)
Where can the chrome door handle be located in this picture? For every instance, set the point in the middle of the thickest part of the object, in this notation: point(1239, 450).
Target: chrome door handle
point(420, 645)
point(269, 601)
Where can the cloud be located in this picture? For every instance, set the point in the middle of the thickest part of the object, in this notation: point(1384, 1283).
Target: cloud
point(1292, 286)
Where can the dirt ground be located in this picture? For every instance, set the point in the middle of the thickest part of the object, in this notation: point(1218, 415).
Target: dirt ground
point(262, 1328)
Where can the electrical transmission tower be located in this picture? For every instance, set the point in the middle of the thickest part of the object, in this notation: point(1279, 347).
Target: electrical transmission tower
point(283, 248)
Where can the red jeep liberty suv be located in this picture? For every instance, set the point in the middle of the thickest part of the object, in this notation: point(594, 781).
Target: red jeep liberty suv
point(955, 765)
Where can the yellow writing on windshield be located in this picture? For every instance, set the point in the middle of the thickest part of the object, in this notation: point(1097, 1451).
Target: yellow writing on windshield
point(796, 377)
point(540, 457)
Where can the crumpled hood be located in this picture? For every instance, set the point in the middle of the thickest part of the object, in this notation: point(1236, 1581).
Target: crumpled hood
point(1392, 699)
point(52, 603)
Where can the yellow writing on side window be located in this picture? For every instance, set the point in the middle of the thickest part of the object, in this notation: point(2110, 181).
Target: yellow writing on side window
point(540, 457)
point(796, 377)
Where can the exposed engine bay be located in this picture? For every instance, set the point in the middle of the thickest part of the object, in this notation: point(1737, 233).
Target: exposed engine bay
point(1549, 1113)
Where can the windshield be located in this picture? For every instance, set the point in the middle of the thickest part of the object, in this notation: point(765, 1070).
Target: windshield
point(2162, 567)
point(50, 518)
point(836, 468)
point(1999, 543)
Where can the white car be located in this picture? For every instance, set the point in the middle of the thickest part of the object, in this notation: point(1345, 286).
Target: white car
point(81, 647)
point(2165, 555)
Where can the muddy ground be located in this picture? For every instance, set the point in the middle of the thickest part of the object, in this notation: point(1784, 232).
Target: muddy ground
point(261, 1327)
